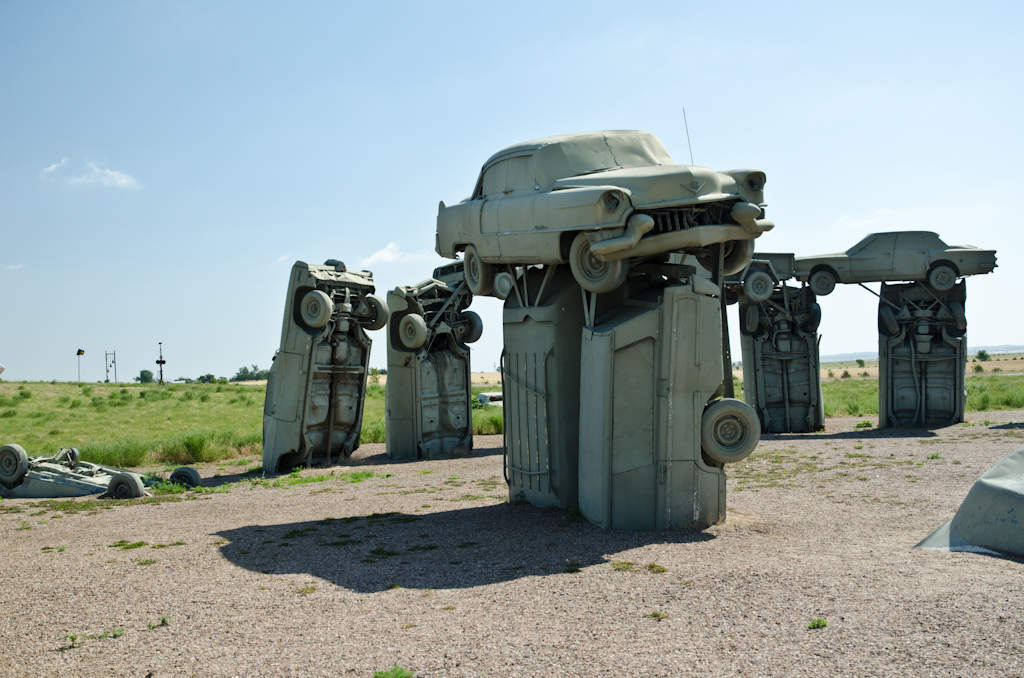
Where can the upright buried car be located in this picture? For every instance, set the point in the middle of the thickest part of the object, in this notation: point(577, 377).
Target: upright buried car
point(914, 256)
point(600, 201)
point(314, 405)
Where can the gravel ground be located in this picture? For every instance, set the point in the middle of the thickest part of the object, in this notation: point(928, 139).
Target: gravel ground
point(304, 580)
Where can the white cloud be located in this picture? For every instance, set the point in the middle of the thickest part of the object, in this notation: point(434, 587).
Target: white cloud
point(95, 174)
point(281, 258)
point(391, 254)
point(871, 219)
point(55, 166)
point(10, 267)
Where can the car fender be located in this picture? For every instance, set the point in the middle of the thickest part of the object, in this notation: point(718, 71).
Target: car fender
point(579, 207)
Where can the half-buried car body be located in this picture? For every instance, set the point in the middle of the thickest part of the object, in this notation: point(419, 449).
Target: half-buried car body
point(601, 201)
point(913, 256)
point(314, 405)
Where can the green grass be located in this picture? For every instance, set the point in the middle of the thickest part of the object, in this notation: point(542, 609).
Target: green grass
point(395, 671)
point(984, 394)
point(818, 623)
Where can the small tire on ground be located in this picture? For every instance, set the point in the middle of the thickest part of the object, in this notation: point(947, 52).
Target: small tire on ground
point(942, 278)
point(479, 275)
point(187, 476)
point(474, 327)
point(591, 273)
point(316, 308)
point(959, 316)
point(378, 313)
point(887, 322)
point(822, 283)
point(413, 330)
point(125, 486)
point(13, 464)
point(729, 431)
point(758, 286)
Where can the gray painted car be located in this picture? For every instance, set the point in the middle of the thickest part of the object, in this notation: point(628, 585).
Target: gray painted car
point(600, 201)
point(913, 256)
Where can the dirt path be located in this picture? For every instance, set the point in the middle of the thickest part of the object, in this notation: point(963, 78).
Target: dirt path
point(448, 579)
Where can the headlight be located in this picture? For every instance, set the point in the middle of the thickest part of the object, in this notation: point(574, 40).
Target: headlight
point(754, 181)
point(610, 200)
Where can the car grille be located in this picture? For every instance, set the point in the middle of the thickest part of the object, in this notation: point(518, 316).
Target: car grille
point(681, 218)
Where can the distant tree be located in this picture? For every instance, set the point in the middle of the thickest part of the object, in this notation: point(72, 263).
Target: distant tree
point(145, 377)
point(983, 355)
point(185, 379)
point(206, 379)
point(860, 363)
point(255, 374)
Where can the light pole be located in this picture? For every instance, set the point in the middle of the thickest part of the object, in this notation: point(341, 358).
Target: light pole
point(80, 354)
point(111, 361)
point(161, 362)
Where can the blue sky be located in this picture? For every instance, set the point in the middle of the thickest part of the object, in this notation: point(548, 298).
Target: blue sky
point(162, 165)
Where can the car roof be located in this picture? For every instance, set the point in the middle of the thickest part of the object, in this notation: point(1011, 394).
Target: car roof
point(583, 139)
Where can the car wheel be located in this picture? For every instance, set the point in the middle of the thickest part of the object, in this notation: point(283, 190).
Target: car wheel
point(887, 322)
point(125, 486)
point(959, 316)
point(474, 327)
point(810, 326)
point(13, 464)
point(758, 286)
point(751, 319)
point(822, 283)
point(378, 313)
point(316, 308)
point(942, 278)
point(590, 272)
point(479, 275)
point(738, 254)
point(187, 476)
point(413, 330)
point(503, 284)
point(729, 431)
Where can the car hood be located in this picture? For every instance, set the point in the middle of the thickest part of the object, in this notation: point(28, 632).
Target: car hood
point(665, 185)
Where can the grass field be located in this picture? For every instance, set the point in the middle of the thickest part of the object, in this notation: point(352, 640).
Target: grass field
point(130, 425)
point(134, 425)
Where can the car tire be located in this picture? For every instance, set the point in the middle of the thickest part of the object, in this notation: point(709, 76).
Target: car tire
point(758, 286)
point(887, 322)
point(479, 275)
point(942, 278)
point(751, 319)
point(591, 273)
point(316, 308)
point(187, 476)
point(738, 254)
point(13, 464)
point(959, 316)
point(810, 326)
point(378, 313)
point(413, 331)
point(474, 327)
point(822, 283)
point(729, 431)
point(503, 284)
point(125, 486)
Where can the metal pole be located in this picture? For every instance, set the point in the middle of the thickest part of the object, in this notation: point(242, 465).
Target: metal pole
point(161, 362)
point(79, 369)
point(115, 367)
point(718, 277)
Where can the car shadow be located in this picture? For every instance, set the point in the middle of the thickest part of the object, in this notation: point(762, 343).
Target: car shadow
point(857, 434)
point(1008, 426)
point(454, 549)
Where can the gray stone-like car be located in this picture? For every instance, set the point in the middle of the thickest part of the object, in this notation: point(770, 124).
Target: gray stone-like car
point(913, 256)
point(600, 201)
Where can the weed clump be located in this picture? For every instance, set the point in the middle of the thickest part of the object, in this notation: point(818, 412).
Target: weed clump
point(818, 623)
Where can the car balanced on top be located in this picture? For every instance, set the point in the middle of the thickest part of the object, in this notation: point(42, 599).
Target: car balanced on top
point(601, 201)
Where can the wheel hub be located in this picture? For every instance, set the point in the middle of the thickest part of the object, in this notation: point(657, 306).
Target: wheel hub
point(728, 431)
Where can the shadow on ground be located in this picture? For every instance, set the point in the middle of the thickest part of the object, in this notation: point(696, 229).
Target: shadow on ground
point(450, 549)
point(857, 434)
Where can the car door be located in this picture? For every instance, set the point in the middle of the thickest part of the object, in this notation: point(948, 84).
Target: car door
point(871, 260)
point(515, 212)
point(492, 190)
point(910, 257)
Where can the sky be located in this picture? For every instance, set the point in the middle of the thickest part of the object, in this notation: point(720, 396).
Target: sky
point(163, 165)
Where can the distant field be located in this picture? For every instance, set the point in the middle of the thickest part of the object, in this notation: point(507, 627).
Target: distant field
point(134, 425)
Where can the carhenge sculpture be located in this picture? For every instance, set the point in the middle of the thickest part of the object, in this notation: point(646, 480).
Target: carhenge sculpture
point(922, 326)
point(314, 405)
point(613, 366)
point(779, 336)
point(427, 394)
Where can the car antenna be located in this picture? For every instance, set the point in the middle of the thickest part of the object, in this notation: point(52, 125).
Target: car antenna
point(687, 136)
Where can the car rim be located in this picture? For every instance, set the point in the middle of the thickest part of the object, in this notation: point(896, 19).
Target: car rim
point(592, 267)
point(8, 463)
point(728, 431)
